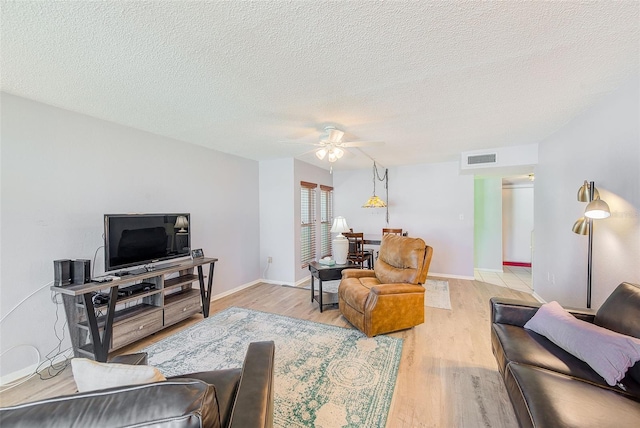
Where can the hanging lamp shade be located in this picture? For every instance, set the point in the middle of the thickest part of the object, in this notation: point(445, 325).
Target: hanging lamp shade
point(374, 202)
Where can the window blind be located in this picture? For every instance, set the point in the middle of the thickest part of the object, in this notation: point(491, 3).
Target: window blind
point(308, 222)
point(326, 218)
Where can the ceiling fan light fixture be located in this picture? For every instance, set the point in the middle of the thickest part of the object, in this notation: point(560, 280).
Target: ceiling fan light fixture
point(321, 153)
point(338, 152)
point(332, 157)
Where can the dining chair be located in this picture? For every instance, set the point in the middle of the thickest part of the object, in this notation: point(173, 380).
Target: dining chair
point(357, 253)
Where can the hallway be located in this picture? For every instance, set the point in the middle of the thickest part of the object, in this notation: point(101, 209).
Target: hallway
point(514, 277)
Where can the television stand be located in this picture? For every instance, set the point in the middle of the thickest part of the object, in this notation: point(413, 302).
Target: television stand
point(97, 329)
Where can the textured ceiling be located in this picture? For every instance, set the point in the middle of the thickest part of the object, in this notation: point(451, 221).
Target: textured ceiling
point(430, 79)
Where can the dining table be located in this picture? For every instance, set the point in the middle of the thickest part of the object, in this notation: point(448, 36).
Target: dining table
point(372, 239)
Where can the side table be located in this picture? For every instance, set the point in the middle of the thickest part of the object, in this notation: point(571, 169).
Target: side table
point(326, 273)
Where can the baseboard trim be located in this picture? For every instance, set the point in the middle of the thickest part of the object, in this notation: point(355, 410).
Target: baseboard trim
point(519, 264)
point(490, 270)
point(538, 298)
point(28, 371)
point(235, 290)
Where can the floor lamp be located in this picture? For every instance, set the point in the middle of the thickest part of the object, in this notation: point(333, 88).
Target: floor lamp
point(596, 209)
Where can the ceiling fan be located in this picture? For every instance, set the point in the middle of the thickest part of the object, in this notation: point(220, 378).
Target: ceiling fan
point(333, 147)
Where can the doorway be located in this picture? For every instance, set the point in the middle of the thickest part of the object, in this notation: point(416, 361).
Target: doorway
point(503, 231)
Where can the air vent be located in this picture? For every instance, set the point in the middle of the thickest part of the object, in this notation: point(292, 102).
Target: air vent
point(481, 159)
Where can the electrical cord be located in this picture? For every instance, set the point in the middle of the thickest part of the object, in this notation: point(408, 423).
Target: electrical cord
point(54, 369)
point(9, 385)
point(264, 272)
point(384, 178)
point(51, 356)
point(93, 265)
point(23, 300)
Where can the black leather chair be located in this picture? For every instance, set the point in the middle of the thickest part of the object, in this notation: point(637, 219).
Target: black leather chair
point(240, 397)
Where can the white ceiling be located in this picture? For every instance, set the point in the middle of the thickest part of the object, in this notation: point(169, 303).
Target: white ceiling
point(430, 79)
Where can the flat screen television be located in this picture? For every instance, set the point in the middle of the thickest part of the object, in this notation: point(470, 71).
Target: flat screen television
point(140, 239)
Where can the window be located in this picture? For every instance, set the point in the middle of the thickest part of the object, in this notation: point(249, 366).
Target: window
point(326, 217)
point(307, 222)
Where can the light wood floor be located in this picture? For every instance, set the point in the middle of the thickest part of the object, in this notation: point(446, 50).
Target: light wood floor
point(447, 376)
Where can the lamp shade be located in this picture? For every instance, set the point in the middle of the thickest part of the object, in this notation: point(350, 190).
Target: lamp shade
point(581, 226)
point(597, 209)
point(321, 153)
point(374, 202)
point(181, 222)
point(339, 225)
point(583, 193)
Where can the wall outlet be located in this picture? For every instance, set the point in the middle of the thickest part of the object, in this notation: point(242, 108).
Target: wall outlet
point(269, 259)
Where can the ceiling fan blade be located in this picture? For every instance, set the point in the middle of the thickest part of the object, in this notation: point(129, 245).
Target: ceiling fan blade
point(301, 143)
point(335, 135)
point(361, 143)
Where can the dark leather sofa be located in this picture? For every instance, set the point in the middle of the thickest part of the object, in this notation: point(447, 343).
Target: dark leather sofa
point(241, 397)
point(549, 387)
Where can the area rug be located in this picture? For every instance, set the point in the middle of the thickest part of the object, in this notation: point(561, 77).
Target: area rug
point(436, 294)
point(325, 376)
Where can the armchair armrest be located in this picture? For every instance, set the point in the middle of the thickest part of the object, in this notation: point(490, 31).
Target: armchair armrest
point(518, 312)
point(137, 359)
point(358, 273)
point(399, 288)
point(253, 406)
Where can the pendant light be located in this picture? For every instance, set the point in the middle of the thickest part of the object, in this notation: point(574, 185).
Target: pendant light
point(374, 201)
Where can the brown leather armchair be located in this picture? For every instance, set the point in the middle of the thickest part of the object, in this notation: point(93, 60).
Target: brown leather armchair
point(391, 296)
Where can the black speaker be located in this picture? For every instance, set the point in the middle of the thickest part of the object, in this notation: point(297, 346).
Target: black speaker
point(81, 271)
point(61, 272)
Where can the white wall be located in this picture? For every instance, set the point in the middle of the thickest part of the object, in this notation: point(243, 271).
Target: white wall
point(280, 216)
point(278, 220)
point(517, 223)
point(62, 171)
point(601, 145)
point(430, 201)
point(488, 224)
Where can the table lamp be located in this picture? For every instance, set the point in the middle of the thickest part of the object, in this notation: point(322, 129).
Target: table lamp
point(340, 243)
point(181, 222)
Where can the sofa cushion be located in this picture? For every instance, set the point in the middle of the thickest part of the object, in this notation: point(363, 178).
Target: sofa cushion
point(543, 398)
point(620, 313)
point(609, 353)
point(512, 343)
point(90, 375)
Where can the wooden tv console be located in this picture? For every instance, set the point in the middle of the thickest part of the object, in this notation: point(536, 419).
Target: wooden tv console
point(96, 329)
